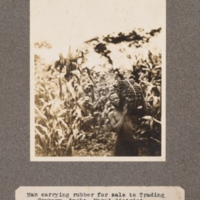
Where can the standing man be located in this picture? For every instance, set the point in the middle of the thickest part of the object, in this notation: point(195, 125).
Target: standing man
point(125, 126)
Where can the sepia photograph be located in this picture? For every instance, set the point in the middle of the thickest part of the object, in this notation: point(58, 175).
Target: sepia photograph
point(98, 80)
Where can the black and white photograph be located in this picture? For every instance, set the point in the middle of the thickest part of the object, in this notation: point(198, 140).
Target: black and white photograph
point(97, 79)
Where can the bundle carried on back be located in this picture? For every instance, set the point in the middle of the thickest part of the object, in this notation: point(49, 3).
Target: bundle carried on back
point(130, 93)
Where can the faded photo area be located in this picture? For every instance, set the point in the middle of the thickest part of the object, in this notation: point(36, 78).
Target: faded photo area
point(97, 80)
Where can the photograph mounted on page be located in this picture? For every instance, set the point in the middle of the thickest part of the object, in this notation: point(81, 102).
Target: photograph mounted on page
point(98, 75)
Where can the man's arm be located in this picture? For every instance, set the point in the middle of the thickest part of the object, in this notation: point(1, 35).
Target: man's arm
point(117, 125)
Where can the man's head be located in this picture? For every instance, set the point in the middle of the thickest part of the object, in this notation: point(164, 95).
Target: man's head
point(114, 98)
